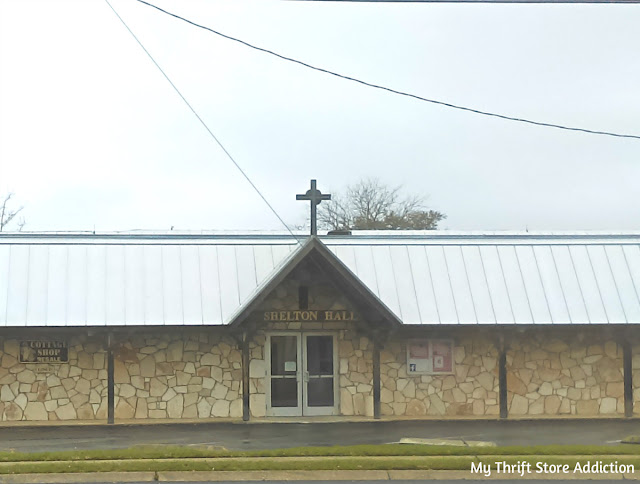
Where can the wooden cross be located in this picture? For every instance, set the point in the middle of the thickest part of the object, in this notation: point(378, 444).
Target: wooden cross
point(315, 196)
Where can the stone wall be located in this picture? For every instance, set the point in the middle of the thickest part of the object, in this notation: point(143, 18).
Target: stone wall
point(471, 390)
point(186, 374)
point(551, 373)
point(355, 367)
point(76, 390)
point(183, 373)
point(355, 351)
point(356, 374)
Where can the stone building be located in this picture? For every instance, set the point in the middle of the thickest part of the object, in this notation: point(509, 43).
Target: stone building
point(392, 325)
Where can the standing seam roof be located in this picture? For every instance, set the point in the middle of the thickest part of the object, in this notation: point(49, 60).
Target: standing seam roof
point(423, 278)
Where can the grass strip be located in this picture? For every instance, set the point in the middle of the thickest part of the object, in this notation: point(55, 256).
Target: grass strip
point(177, 452)
point(302, 463)
point(321, 463)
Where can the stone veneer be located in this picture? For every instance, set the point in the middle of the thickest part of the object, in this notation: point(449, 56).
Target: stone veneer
point(355, 367)
point(195, 373)
point(561, 374)
point(472, 389)
point(355, 351)
point(76, 390)
point(180, 374)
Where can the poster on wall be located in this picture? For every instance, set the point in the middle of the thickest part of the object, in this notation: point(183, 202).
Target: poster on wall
point(430, 356)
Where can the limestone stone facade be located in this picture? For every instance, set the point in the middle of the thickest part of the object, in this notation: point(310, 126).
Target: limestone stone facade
point(76, 390)
point(557, 373)
point(178, 374)
point(355, 350)
point(355, 367)
point(472, 389)
point(196, 373)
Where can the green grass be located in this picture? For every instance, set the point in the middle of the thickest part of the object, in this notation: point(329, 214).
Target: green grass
point(329, 463)
point(370, 457)
point(320, 463)
point(175, 452)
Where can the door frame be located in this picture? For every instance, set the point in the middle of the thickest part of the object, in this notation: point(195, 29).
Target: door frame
point(302, 409)
point(330, 410)
point(282, 411)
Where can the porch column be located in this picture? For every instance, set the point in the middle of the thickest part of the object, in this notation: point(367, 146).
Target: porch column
point(246, 410)
point(502, 377)
point(376, 377)
point(110, 381)
point(627, 373)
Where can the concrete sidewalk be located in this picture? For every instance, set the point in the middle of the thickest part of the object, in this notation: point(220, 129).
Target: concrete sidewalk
point(198, 476)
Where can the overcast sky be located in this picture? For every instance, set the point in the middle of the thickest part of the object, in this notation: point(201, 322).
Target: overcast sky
point(92, 135)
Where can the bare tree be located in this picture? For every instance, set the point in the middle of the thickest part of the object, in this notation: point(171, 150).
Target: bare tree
point(7, 214)
point(371, 205)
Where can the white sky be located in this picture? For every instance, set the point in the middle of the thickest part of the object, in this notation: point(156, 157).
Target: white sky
point(92, 135)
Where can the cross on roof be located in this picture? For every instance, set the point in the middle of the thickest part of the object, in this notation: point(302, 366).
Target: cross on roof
point(314, 196)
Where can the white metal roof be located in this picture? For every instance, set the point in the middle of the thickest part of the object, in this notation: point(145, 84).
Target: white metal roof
point(512, 279)
point(435, 277)
point(131, 280)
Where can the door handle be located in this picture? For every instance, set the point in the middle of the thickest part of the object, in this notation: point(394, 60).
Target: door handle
point(306, 376)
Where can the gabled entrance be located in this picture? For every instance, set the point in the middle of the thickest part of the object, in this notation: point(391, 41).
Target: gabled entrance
point(312, 335)
point(302, 375)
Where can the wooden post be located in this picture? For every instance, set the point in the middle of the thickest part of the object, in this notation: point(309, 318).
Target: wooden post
point(628, 377)
point(376, 376)
point(502, 378)
point(110, 381)
point(246, 410)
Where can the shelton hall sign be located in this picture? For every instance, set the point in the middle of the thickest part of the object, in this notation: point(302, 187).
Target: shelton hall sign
point(44, 352)
point(315, 315)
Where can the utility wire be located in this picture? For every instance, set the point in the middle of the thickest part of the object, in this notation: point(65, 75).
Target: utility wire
point(478, 1)
point(244, 174)
point(394, 91)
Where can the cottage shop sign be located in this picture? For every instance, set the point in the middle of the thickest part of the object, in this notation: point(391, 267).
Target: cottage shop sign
point(36, 351)
point(315, 315)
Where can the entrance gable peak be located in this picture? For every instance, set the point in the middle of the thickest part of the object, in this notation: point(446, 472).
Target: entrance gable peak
point(334, 293)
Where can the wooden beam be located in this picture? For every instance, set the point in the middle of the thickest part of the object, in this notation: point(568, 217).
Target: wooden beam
point(628, 377)
point(376, 377)
point(502, 378)
point(246, 410)
point(110, 381)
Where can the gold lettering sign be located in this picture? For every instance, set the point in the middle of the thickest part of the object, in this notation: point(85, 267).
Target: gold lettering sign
point(315, 315)
point(44, 352)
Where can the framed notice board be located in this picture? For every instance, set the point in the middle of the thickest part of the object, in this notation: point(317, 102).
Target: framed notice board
point(430, 357)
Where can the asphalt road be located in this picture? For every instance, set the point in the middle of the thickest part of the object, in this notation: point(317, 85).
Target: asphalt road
point(437, 481)
point(280, 435)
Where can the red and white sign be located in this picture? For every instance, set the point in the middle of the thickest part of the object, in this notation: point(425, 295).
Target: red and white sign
point(430, 357)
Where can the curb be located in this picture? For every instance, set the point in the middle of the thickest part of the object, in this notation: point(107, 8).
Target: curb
point(284, 476)
point(306, 420)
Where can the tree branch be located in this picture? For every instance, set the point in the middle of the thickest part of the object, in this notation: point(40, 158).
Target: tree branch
point(371, 205)
point(6, 215)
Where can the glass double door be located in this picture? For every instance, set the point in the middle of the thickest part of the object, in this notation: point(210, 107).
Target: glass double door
point(301, 377)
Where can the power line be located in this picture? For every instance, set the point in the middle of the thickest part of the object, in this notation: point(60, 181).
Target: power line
point(394, 91)
point(244, 174)
point(478, 1)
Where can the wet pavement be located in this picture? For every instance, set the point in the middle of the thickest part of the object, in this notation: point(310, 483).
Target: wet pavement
point(264, 435)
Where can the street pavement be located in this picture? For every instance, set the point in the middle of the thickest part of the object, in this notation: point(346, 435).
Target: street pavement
point(420, 481)
point(263, 435)
point(184, 479)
